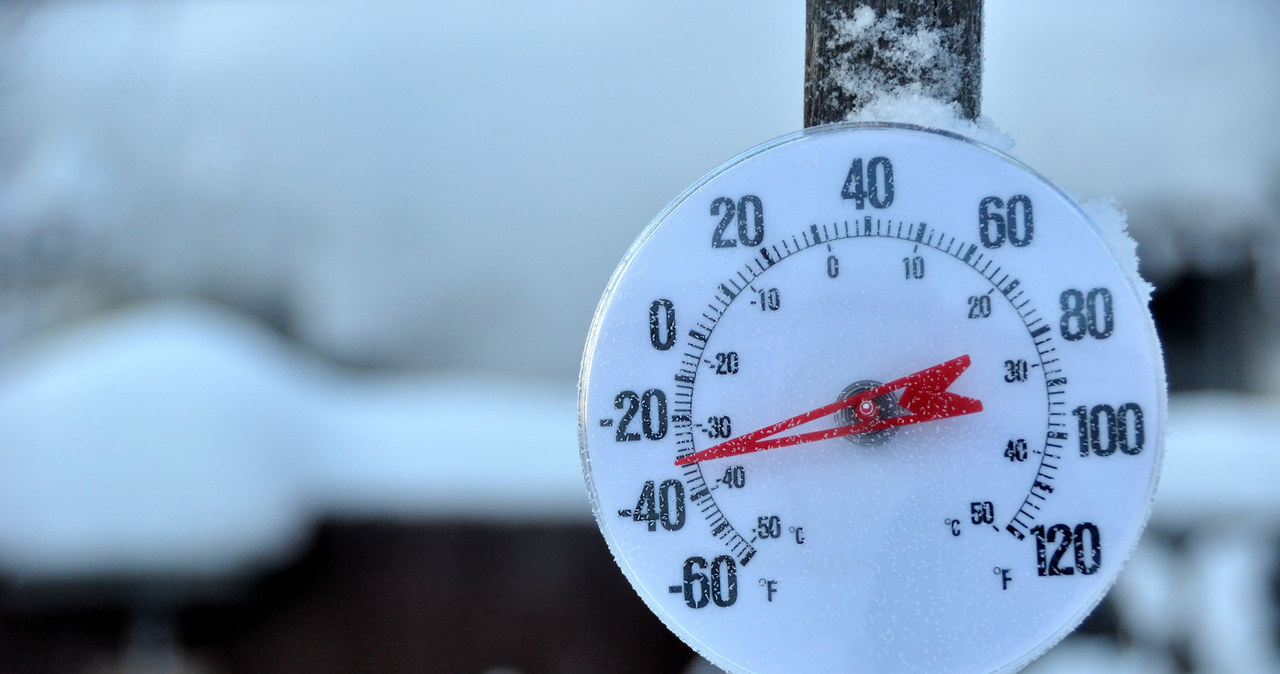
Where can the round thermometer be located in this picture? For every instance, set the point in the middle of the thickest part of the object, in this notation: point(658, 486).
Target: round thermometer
point(871, 398)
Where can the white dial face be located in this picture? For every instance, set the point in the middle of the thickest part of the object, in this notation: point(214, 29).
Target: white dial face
point(871, 398)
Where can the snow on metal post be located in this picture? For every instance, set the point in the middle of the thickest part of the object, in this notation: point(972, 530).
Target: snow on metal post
point(859, 50)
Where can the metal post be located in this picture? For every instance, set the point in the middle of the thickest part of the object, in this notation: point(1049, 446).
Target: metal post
point(846, 63)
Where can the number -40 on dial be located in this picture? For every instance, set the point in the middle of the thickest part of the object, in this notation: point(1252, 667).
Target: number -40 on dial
point(871, 398)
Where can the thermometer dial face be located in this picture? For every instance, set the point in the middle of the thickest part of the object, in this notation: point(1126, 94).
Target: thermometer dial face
point(871, 398)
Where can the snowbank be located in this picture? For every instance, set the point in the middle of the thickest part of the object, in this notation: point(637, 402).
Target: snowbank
point(180, 438)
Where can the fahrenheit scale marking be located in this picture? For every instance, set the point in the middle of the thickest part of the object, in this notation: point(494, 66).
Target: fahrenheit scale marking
point(871, 398)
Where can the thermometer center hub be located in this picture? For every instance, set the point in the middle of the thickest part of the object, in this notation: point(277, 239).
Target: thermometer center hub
point(884, 406)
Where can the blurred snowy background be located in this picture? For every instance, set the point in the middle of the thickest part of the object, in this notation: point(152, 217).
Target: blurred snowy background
point(292, 297)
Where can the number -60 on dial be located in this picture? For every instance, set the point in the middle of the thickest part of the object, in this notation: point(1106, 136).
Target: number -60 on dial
point(871, 398)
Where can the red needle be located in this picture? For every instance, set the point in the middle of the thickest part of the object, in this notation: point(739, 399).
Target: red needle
point(926, 397)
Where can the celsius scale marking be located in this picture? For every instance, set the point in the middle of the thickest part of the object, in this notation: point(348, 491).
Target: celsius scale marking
point(871, 398)
point(918, 233)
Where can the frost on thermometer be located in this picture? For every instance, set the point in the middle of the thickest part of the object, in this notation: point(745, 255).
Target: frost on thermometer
point(871, 398)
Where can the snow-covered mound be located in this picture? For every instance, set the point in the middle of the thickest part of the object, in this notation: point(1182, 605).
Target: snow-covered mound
point(1221, 461)
point(182, 439)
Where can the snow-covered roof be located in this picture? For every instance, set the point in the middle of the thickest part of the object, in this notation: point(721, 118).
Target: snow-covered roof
point(305, 157)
